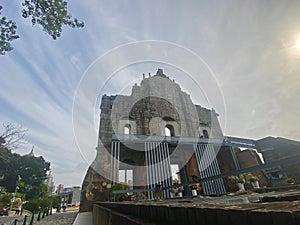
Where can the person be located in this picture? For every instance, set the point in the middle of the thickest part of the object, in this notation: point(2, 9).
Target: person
point(18, 209)
point(64, 207)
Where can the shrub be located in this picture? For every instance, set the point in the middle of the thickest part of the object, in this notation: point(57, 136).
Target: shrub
point(117, 187)
point(32, 205)
point(5, 199)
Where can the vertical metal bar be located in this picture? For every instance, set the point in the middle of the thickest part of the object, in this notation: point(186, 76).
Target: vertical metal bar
point(118, 160)
point(160, 164)
point(217, 172)
point(161, 167)
point(204, 171)
point(147, 167)
point(210, 168)
point(167, 166)
point(114, 169)
point(157, 163)
point(111, 161)
point(154, 163)
point(150, 196)
point(213, 168)
point(219, 182)
point(152, 167)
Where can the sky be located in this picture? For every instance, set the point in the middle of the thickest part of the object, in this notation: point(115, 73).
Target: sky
point(250, 51)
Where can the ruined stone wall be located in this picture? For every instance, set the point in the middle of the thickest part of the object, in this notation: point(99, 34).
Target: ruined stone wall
point(156, 103)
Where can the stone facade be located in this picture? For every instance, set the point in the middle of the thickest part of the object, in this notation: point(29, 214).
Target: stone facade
point(156, 105)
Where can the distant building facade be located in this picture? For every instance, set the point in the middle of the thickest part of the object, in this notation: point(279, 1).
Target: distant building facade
point(50, 184)
point(284, 151)
point(60, 189)
point(70, 196)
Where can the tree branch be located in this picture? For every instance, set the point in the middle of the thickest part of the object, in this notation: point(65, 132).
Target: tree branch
point(12, 136)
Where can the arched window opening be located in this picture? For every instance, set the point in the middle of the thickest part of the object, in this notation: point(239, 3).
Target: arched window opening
point(205, 134)
point(169, 131)
point(127, 129)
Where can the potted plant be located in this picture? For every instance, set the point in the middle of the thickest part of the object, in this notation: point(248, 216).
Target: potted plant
point(250, 178)
point(254, 181)
point(290, 180)
point(233, 179)
point(179, 191)
point(239, 180)
point(194, 188)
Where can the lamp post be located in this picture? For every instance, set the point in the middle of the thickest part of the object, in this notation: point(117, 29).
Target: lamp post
point(15, 193)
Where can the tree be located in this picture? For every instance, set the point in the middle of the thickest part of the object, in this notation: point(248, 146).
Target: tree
point(12, 136)
point(56, 202)
point(31, 169)
point(50, 14)
point(8, 34)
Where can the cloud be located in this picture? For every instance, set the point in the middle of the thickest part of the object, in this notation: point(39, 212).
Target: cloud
point(247, 45)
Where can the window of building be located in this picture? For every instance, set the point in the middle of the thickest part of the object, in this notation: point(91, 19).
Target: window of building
point(127, 129)
point(169, 131)
point(205, 134)
point(175, 173)
point(126, 176)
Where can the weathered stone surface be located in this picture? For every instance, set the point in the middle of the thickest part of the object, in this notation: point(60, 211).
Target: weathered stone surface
point(93, 190)
point(156, 103)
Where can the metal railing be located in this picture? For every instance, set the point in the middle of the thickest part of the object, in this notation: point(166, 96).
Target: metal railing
point(28, 220)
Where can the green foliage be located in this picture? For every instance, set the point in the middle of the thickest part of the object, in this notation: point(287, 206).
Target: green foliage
point(32, 205)
point(52, 15)
point(8, 33)
point(56, 201)
point(237, 179)
point(21, 196)
point(33, 171)
point(117, 187)
point(46, 202)
point(36, 204)
point(243, 178)
point(5, 199)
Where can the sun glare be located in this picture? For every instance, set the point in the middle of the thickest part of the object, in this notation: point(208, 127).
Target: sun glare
point(298, 43)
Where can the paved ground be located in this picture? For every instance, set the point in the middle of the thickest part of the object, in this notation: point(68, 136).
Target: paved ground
point(84, 218)
point(66, 218)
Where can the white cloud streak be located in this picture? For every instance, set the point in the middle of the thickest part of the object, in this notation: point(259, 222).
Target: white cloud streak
point(249, 46)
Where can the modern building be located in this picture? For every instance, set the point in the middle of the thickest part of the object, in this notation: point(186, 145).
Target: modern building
point(284, 155)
